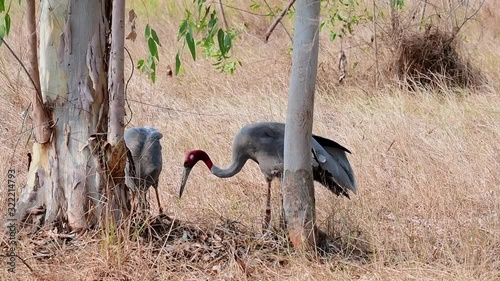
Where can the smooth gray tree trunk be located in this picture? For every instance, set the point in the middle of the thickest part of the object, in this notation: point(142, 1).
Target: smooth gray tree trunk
point(115, 149)
point(298, 187)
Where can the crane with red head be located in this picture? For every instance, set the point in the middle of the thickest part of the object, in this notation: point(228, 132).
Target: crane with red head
point(263, 143)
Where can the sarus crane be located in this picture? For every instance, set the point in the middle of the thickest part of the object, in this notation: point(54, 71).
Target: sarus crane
point(144, 161)
point(263, 143)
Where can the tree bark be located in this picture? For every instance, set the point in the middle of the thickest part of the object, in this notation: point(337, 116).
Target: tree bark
point(63, 179)
point(298, 188)
point(116, 152)
point(39, 114)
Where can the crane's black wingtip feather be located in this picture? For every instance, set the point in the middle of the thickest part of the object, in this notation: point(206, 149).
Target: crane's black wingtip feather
point(325, 178)
point(328, 142)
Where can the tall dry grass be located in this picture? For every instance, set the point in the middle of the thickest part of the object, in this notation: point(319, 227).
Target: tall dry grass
point(427, 165)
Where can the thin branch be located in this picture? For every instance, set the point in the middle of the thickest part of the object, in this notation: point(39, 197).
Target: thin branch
point(278, 20)
point(458, 28)
point(175, 110)
point(126, 86)
point(375, 42)
point(224, 21)
point(424, 5)
point(244, 11)
point(20, 62)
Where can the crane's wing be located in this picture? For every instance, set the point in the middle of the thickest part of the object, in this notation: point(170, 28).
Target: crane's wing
point(331, 157)
point(329, 143)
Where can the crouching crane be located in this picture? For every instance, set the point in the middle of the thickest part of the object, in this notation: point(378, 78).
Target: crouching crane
point(264, 143)
point(144, 170)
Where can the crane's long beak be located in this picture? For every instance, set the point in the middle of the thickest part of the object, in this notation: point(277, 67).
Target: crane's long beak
point(185, 176)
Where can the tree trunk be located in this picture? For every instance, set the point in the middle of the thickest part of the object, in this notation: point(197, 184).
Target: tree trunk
point(65, 180)
point(42, 124)
point(298, 186)
point(116, 148)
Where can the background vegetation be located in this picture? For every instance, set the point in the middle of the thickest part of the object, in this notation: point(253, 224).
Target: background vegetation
point(426, 158)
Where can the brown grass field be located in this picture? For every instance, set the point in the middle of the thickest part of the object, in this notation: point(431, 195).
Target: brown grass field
point(427, 164)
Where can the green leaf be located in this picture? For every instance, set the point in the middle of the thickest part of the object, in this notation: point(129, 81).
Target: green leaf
point(398, 3)
point(140, 64)
point(155, 37)
point(2, 31)
point(7, 23)
point(333, 35)
point(177, 64)
point(150, 61)
point(2, 6)
point(147, 32)
point(254, 6)
point(182, 29)
point(321, 25)
point(220, 39)
point(213, 21)
point(152, 48)
point(200, 5)
point(227, 42)
point(191, 45)
point(202, 23)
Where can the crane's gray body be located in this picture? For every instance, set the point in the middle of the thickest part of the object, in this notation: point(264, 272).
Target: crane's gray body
point(263, 143)
point(145, 148)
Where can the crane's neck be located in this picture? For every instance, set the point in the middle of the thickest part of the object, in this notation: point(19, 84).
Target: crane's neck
point(230, 171)
point(203, 156)
point(233, 169)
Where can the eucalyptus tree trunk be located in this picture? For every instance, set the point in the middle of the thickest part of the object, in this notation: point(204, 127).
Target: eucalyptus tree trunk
point(298, 184)
point(41, 121)
point(69, 174)
point(116, 148)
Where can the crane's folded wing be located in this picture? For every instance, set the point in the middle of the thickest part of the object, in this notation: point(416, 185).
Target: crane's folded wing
point(332, 157)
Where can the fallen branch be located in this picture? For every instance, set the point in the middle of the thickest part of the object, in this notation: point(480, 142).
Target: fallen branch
point(277, 20)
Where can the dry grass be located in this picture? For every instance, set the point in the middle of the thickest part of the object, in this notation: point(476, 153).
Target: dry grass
point(427, 165)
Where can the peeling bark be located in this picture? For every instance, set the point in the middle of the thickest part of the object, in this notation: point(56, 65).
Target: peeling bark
point(65, 176)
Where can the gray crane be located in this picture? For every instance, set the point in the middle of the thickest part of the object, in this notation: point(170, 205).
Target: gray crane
point(144, 170)
point(263, 143)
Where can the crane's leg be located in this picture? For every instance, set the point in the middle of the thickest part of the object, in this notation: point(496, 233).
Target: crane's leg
point(134, 205)
point(158, 198)
point(283, 216)
point(267, 217)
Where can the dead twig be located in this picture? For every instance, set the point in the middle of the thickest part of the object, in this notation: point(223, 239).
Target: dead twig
point(277, 20)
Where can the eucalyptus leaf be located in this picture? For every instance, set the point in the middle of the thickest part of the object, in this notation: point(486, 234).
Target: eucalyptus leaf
point(153, 49)
point(191, 45)
point(155, 37)
point(147, 32)
point(220, 39)
point(177, 64)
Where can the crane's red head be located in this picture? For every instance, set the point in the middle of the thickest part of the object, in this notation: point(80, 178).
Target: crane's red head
point(191, 158)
